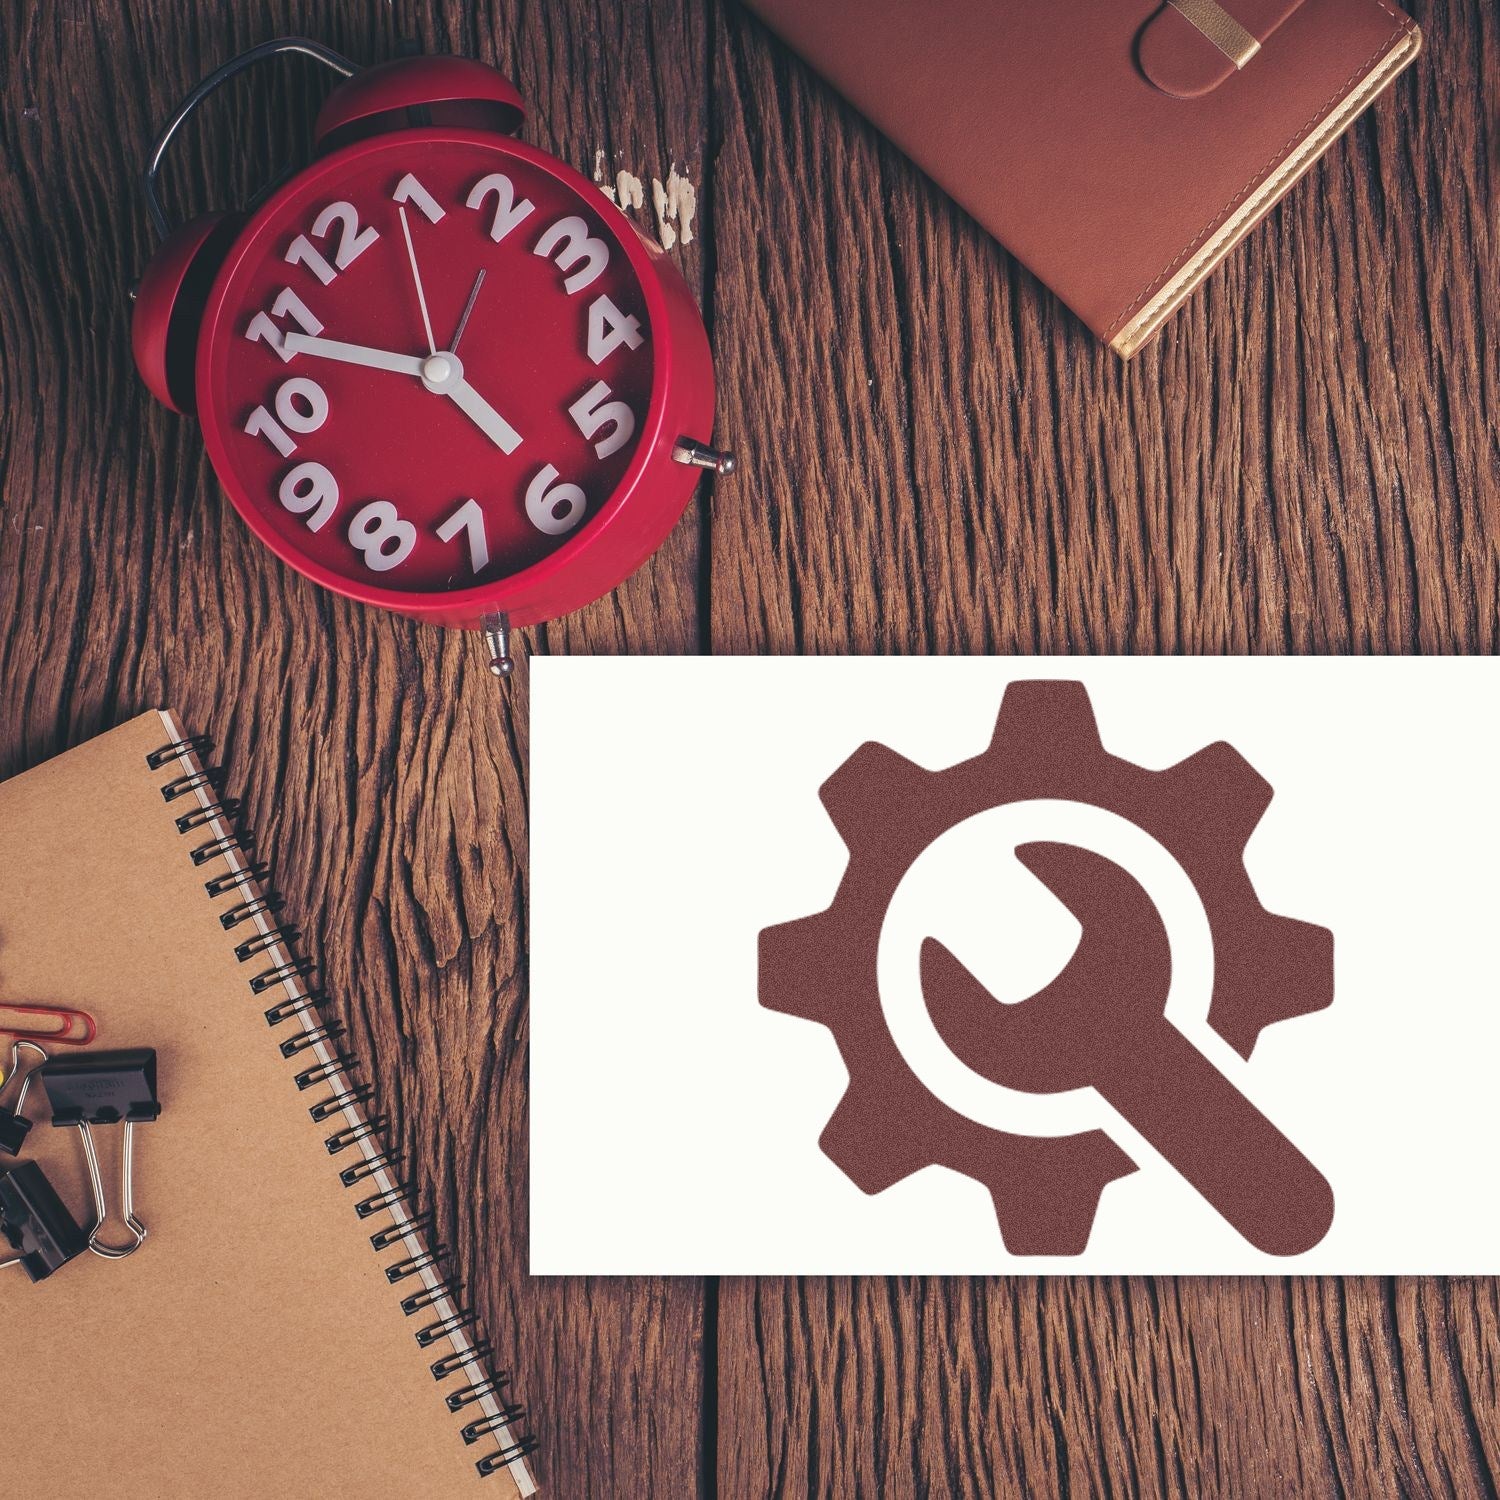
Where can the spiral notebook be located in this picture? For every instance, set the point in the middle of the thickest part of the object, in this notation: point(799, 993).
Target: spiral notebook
point(287, 1329)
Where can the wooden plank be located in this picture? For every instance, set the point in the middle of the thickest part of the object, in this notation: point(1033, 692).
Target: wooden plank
point(382, 767)
point(1186, 1387)
point(1307, 461)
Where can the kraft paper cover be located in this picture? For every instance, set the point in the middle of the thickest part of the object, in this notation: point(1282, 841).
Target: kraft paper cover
point(253, 1346)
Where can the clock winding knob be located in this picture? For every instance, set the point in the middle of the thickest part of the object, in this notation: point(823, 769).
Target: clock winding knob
point(496, 629)
point(701, 456)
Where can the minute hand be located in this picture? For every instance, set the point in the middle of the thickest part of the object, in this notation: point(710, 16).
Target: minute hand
point(353, 354)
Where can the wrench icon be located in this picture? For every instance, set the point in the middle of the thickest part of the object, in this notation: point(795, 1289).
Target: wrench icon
point(1101, 1023)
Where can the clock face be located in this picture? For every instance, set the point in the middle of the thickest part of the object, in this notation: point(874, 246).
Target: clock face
point(429, 363)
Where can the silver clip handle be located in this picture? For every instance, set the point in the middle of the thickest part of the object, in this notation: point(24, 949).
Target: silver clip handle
point(127, 1195)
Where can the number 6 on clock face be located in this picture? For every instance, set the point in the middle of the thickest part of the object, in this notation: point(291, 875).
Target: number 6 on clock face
point(554, 508)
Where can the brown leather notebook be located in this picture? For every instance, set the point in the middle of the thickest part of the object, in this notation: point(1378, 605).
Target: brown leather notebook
point(1118, 148)
point(287, 1328)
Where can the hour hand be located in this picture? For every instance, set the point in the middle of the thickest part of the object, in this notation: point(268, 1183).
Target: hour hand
point(352, 354)
point(443, 374)
point(484, 416)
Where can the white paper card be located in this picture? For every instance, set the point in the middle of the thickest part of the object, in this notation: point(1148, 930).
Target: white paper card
point(1188, 966)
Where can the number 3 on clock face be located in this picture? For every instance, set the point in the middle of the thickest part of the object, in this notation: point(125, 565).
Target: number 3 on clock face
point(440, 368)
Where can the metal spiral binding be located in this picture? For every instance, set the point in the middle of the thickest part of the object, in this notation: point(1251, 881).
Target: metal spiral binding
point(246, 910)
point(414, 1265)
point(340, 1062)
point(367, 1208)
point(226, 810)
point(245, 879)
point(475, 1354)
point(185, 786)
point(286, 936)
point(447, 1289)
point(354, 1134)
point(369, 1167)
point(486, 1425)
point(423, 1224)
point(299, 968)
point(298, 1005)
point(205, 852)
point(503, 1458)
point(491, 1385)
point(336, 1104)
point(198, 744)
point(329, 1033)
point(236, 880)
point(430, 1335)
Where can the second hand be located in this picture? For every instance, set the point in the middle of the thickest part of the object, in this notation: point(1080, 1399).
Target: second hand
point(463, 317)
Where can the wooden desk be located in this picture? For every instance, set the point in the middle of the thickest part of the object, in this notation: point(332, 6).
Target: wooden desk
point(936, 458)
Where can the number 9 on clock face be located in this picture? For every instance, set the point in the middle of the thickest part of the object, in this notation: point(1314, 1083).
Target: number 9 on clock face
point(436, 376)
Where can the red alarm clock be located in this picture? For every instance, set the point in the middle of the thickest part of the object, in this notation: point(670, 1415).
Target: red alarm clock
point(437, 369)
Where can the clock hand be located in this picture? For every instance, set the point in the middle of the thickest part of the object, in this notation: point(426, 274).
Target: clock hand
point(463, 319)
point(354, 354)
point(443, 375)
point(483, 415)
point(416, 277)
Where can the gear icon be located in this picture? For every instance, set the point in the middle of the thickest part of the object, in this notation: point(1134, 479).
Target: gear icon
point(888, 809)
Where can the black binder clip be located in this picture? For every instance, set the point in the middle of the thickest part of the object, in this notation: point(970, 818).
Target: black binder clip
point(106, 1088)
point(14, 1126)
point(36, 1224)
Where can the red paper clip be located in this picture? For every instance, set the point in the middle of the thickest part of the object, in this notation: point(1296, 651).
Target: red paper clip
point(47, 1023)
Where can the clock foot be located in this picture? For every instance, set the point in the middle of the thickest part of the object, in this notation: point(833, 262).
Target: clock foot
point(701, 456)
point(496, 629)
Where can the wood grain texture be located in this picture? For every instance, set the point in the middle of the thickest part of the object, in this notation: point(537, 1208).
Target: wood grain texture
point(936, 458)
point(1303, 463)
